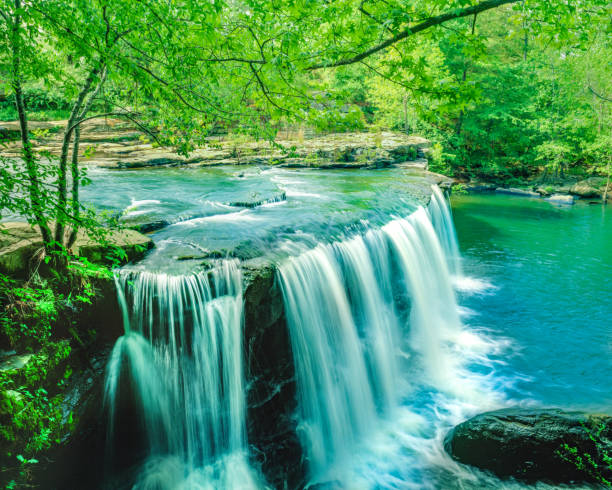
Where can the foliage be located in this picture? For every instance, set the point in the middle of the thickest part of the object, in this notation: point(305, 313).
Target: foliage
point(505, 89)
point(40, 316)
point(504, 103)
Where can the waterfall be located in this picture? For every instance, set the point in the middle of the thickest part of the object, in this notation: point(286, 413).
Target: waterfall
point(442, 221)
point(182, 356)
point(365, 317)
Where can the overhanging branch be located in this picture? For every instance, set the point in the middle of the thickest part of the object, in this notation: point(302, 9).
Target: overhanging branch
point(410, 31)
point(598, 95)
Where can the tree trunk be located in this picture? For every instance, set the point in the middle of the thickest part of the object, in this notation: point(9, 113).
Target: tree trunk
point(62, 181)
point(29, 158)
point(406, 127)
point(74, 167)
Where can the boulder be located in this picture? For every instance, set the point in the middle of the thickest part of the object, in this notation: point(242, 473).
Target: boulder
point(561, 199)
point(591, 187)
point(15, 361)
point(132, 242)
point(21, 245)
point(516, 192)
point(535, 444)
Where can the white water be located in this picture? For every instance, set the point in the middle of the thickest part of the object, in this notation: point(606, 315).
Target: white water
point(380, 352)
point(442, 221)
point(182, 354)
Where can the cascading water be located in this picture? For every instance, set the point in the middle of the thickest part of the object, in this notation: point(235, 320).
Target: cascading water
point(442, 221)
point(182, 354)
point(369, 317)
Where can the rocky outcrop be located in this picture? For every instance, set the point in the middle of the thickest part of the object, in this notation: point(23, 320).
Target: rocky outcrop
point(118, 146)
point(591, 187)
point(21, 244)
point(270, 372)
point(532, 444)
point(516, 192)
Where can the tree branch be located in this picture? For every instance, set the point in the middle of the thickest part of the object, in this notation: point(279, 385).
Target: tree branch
point(410, 31)
point(598, 95)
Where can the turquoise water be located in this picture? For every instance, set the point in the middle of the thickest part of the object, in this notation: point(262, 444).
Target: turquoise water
point(319, 205)
point(550, 269)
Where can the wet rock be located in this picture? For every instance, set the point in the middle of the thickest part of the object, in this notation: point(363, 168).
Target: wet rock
point(253, 203)
point(150, 226)
point(182, 258)
point(516, 192)
point(561, 199)
point(534, 444)
point(246, 250)
point(271, 396)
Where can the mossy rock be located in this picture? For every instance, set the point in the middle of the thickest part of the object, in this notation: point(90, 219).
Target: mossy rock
point(21, 247)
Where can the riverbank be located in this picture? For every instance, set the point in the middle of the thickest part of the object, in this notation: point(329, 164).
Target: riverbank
point(113, 144)
point(564, 191)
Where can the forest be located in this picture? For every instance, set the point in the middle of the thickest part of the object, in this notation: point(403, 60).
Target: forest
point(238, 235)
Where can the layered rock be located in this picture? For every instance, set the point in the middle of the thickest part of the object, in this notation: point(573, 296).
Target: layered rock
point(532, 444)
point(564, 193)
point(118, 146)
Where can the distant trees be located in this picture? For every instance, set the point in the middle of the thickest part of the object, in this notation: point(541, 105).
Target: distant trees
point(506, 97)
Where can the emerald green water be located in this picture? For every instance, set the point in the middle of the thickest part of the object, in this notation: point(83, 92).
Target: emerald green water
point(551, 272)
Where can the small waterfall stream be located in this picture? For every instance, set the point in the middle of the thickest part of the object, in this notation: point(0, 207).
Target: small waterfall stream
point(182, 354)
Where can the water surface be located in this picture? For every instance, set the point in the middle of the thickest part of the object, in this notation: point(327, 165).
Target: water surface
point(551, 271)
